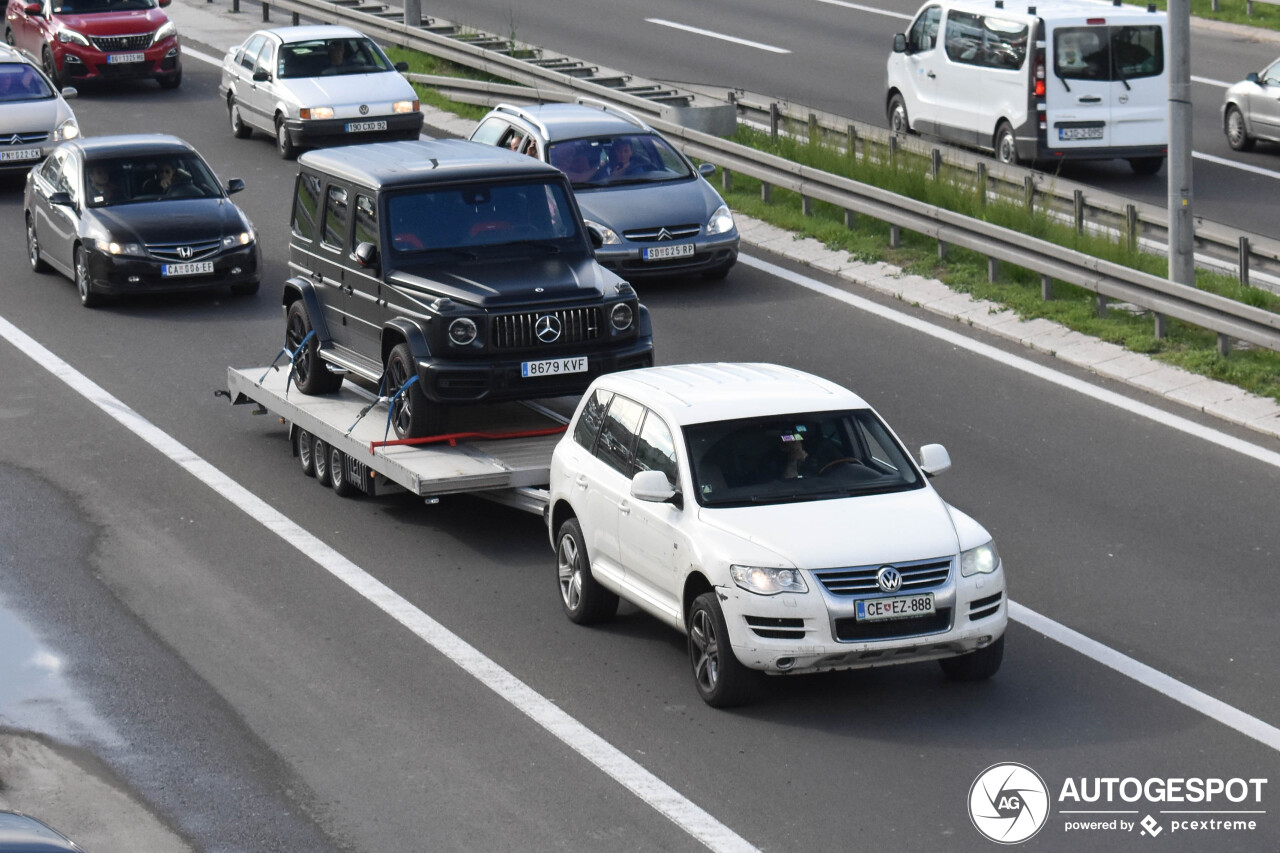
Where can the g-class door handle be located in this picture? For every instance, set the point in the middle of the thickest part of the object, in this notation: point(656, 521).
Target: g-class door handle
point(349, 289)
point(1090, 99)
point(932, 76)
point(317, 277)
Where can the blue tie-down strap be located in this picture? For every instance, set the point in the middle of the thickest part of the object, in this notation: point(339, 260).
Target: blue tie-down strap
point(366, 409)
point(293, 360)
point(284, 350)
point(391, 405)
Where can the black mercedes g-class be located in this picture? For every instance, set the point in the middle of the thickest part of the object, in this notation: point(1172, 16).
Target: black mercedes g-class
point(449, 272)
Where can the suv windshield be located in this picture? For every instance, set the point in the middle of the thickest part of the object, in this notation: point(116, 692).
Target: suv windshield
point(21, 82)
point(89, 7)
point(800, 457)
point(325, 57)
point(128, 180)
point(460, 217)
point(634, 158)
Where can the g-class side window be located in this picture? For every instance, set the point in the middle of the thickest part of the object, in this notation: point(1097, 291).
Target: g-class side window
point(366, 230)
point(306, 202)
point(336, 213)
point(592, 416)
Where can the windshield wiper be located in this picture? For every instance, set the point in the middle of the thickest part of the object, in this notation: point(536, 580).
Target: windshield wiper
point(549, 248)
point(796, 497)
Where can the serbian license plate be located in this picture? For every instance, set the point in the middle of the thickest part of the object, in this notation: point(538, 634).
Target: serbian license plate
point(195, 268)
point(19, 155)
point(1079, 133)
point(365, 126)
point(553, 367)
point(121, 58)
point(661, 253)
point(902, 607)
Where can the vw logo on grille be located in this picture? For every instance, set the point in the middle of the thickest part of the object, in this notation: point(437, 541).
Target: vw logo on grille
point(364, 109)
point(889, 579)
point(547, 328)
point(185, 252)
point(664, 234)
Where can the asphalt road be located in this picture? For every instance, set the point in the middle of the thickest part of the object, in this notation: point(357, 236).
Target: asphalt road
point(258, 703)
point(834, 60)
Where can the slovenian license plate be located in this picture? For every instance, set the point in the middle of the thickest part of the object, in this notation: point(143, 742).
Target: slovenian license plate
point(1079, 133)
point(193, 268)
point(661, 253)
point(365, 126)
point(553, 366)
point(901, 607)
point(121, 58)
point(19, 155)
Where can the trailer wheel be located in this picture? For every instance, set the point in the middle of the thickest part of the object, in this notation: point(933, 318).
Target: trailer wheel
point(320, 458)
point(302, 442)
point(342, 486)
point(412, 414)
point(309, 370)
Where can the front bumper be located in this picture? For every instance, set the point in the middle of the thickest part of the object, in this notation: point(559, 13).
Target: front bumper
point(794, 633)
point(77, 62)
point(315, 132)
point(121, 274)
point(710, 253)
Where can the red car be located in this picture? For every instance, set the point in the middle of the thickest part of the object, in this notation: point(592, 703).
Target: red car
point(77, 40)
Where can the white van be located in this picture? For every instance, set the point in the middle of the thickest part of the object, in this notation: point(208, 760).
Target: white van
point(1063, 79)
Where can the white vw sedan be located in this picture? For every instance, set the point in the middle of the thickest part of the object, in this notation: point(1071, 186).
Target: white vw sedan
point(317, 85)
point(774, 518)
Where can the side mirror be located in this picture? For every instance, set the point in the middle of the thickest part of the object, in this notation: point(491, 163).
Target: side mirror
point(366, 254)
point(261, 75)
point(706, 169)
point(33, 9)
point(597, 239)
point(69, 92)
point(934, 459)
point(899, 43)
point(652, 486)
point(61, 198)
point(1254, 78)
point(402, 67)
point(234, 185)
point(164, 3)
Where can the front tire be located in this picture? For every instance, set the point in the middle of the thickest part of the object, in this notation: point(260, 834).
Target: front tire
point(1237, 132)
point(171, 82)
point(412, 415)
point(1006, 145)
point(721, 680)
point(283, 143)
point(33, 248)
point(718, 273)
point(84, 284)
point(975, 666)
point(584, 600)
point(899, 121)
point(239, 129)
point(50, 68)
point(1146, 165)
point(309, 370)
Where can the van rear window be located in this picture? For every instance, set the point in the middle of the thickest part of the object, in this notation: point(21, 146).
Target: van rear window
point(1108, 53)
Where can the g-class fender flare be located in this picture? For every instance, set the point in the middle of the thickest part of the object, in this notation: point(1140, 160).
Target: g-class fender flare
point(409, 331)
point(300, 288)
point(644, 326)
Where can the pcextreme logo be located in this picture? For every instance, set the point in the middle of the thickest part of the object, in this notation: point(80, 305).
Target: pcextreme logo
point(1008, 803)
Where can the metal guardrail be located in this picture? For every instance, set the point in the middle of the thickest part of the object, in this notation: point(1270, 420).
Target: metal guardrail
point(1227, 318)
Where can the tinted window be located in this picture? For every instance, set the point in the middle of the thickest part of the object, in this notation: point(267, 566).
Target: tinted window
point(592, 416)
point(618, 433)
point(335, 217)
point(130, 180)
point(366, 221)
point(480, 215)
point(924, 32)
point(985, 41)
point(656, 450)
point(635, 158)
point(21, 82)
point(306, 202)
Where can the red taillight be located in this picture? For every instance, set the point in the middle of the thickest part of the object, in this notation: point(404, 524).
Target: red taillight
point(1096, 21)
point(1039, 72)
point(1040, 88)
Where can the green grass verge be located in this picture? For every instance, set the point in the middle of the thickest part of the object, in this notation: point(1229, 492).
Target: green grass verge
point(1234, 12)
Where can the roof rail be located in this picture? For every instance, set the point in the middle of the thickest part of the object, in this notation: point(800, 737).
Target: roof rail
point(524, 114)
point(609, 108)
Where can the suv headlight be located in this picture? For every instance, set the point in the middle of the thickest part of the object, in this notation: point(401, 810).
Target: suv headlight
point(721, 221)
point(72, 37)
point(982, 560)
point(67, 130)
point(765, 581)
point(316, 112)
point(113, 248)
point(621, 317)
point(168, 28)
point(608, 236)
point(462, 331)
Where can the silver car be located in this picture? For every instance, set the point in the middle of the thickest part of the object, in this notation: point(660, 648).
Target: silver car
point(1251, 110)
point(34, 116)
point(317, 85)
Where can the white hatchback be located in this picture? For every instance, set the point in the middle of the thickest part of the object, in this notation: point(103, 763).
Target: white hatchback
point(774, 518)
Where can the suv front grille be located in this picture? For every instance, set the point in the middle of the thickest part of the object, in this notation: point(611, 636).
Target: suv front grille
point(24, 138)
point(851, 630)
point(920, 575)
point(520, 331)
point(172, 251)
point(673, 232)
point(107, 44)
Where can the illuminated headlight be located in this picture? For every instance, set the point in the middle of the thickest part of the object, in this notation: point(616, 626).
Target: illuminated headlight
point(607, 234)
point(244, 238)
point(405, 106)
point(316, 112)
point(462, 331)
point(72, 37)
point(168, 28)
point(982, 560)
point(721, 221)
point(622, 316)
point(67, 130)
point(113, 248)
point(768, 581)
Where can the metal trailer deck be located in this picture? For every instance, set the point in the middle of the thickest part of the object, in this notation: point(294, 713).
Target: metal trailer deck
point(512, 469)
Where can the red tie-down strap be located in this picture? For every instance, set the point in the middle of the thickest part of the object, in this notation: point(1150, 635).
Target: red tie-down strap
point(454, 437)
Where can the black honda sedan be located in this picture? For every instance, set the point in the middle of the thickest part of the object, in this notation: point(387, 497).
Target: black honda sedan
point(137, 214)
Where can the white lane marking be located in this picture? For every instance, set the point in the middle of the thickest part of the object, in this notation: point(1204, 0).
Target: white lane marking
point(1244, 167)
point(1209, 81)
point(200, 55)
point(711, 34)
point(582, 740)
point(1209, 434)
point(857, 8)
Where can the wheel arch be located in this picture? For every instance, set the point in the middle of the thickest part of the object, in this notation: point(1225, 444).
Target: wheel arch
point(694, 585)
point(300, 289)
point(402, 330)
point(559, 512)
